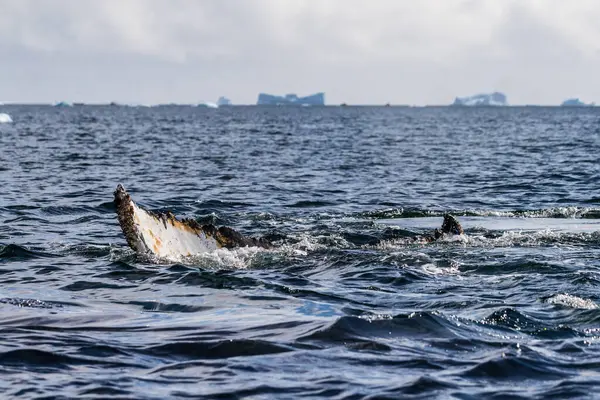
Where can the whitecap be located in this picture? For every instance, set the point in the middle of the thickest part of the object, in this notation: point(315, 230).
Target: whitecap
point(434, 270)
point(554, 212)
point(534, 239)
point(568, 300)
point(238, 258)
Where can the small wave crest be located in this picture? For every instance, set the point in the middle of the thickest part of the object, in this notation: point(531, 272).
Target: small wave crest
point(506, 239)
point(533, 239)
point(553, 212)
point(15, 252)
point(29, 303)
point(380, 328)
point(304, 243)
point(568, 300)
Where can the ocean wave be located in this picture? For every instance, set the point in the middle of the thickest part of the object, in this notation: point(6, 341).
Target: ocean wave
point(545, 237)
point(194, 350)
point(568, 300)
point(542, 238)
point(160, 307)
point(379, 329)
point(554, 212)
point(514, 322)
point(49, 360)
point(506, 365)
point(90, 250)
point(66, 210)
point(13, 252)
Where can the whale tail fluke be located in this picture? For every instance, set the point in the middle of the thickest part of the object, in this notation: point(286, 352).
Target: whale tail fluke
point(163, 235)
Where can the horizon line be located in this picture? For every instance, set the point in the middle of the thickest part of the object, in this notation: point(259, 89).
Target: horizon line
point(203, 105)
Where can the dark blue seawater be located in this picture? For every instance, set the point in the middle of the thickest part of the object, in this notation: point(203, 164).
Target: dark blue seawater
point(347, 305)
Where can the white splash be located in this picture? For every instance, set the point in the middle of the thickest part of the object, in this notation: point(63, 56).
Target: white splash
point(434, 270)
point(305, 244)
point(568, 300)
point(5, 118)
point(237, 258)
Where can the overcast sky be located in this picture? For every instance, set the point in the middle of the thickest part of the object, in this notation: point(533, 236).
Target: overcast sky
point(356, 51)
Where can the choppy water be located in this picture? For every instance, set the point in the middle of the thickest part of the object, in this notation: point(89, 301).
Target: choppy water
point(347, 306)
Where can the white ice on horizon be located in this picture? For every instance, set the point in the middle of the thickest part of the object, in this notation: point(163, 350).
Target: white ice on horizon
point(208, 104)
point(5, 118)
point(223, 101)
point(483, 99)
point(476, 102)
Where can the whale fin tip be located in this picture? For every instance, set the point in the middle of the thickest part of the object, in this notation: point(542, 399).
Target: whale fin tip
point(451, 225)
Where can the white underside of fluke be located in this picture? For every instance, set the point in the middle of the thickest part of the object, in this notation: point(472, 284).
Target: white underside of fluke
point(168, 238)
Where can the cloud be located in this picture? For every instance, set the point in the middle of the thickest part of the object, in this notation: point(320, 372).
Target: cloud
point(349, 28)
point(402, 51)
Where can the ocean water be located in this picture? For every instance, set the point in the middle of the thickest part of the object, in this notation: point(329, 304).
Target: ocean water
point(347, 305)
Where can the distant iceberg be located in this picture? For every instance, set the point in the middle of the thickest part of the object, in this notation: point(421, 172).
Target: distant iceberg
point(575, 102)
point(491, 99)
point(291, 99)
point(223, 101)
point(208, 104)
point(63, 104)
point(5, 118)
